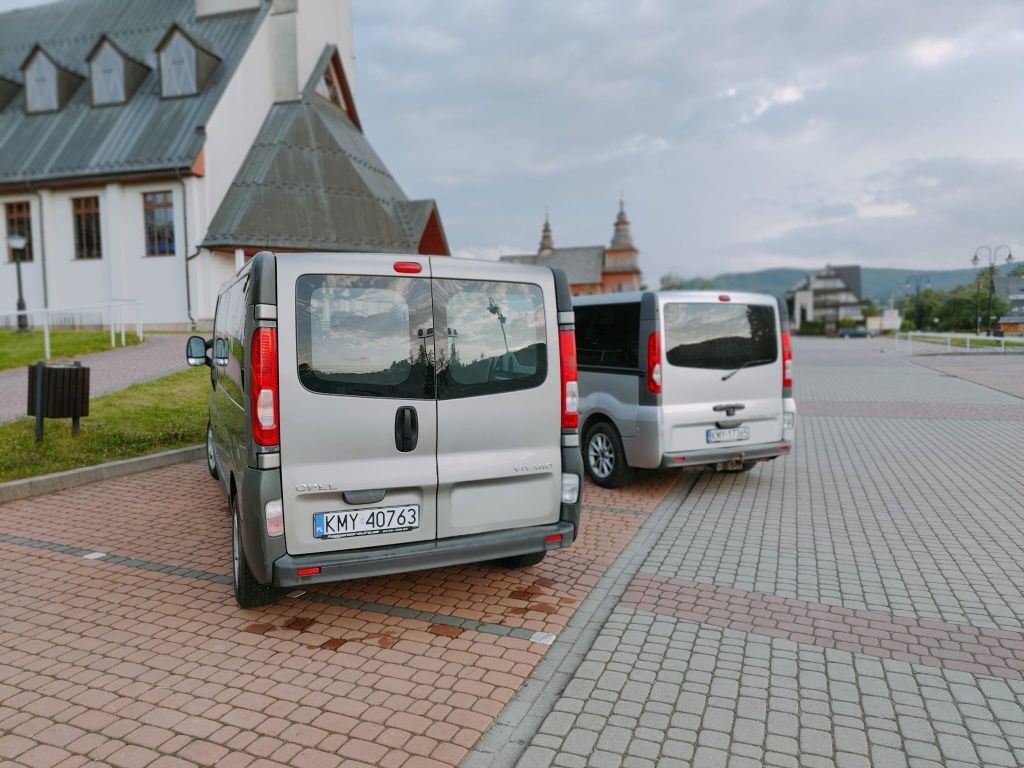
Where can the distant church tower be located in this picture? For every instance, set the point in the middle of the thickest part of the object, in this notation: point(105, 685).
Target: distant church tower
point(546, 243)
point(621, 264)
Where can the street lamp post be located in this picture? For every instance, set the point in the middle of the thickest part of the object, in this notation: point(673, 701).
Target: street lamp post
point(915, 282)
point(991, 256)
point(17, 245)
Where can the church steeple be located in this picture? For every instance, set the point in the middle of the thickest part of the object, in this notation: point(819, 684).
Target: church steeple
point(546, 243)
point(622, 240)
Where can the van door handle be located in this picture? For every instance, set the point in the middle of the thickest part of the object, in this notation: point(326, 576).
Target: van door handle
point(729, 408)
point(407, 426)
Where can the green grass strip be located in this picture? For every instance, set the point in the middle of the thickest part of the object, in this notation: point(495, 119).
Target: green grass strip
point(17, 349)
point(157, 415)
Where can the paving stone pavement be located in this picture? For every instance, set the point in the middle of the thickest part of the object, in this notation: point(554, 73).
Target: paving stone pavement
point(113, 369)
point(859, 603)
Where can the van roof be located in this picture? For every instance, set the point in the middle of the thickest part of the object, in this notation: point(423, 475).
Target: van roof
point(738, 297)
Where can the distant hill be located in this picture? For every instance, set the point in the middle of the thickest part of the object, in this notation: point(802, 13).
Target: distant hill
point(877, 283)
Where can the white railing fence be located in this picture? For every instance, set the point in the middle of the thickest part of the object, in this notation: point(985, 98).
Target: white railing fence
point(115, 315)
point(944, 343)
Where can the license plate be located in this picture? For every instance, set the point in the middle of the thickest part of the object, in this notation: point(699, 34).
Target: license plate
point(365, 522)
point(728, 435)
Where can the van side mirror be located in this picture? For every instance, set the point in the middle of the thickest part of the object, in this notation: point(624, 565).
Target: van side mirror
point(195, 351)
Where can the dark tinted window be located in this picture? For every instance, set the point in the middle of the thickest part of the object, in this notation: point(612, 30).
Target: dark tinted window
point(362, 335)
point(494, 337)
point(608, 336)
point(722, 336)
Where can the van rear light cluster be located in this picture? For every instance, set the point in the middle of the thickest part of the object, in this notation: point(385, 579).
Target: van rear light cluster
point(274, 512)
point(570, 488)
point(570, 380)
point(654, 363)
point(263, 395)
point(787, 361)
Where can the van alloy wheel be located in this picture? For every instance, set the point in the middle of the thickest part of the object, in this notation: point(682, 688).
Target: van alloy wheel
point(211, 457)
point(601, 455)
point(605, 459)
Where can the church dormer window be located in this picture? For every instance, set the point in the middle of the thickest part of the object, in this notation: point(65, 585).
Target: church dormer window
point(186, 63)
point(178, 66)
point(106, 74)
point(40, 83)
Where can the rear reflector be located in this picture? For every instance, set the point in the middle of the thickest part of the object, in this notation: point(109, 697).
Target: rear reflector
point(553, 537)
point(263, 387)
point(570, 382)
point(724, 297)
point(308, 571)
point(654, 363)
point(408, 267)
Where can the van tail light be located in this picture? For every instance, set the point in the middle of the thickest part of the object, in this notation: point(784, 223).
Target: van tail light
point(654, 363)
point(570, 380)
point(263, 399)
point(787, 361)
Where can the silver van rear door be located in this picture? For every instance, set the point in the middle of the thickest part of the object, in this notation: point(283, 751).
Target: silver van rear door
point(722, 374)
point(499, 399)
point(358, 415)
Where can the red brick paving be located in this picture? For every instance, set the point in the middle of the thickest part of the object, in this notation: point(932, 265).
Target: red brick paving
point(122, 666)
point(961, 647)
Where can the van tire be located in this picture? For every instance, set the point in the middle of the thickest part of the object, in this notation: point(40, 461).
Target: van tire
point(211, 458)
point(249, 593)
point(523, 561)
point(603, 457)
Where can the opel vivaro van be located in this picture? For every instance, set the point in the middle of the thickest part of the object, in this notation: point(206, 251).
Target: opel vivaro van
point(371, 414)
point(682, 378)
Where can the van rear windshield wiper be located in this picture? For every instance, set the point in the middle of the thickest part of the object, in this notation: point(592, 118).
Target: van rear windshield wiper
point(744, 365)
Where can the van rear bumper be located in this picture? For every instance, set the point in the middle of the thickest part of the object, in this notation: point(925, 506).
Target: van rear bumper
point(716, 455)
point(458, 550)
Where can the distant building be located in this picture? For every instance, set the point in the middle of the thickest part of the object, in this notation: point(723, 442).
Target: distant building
point(147, 148)
point(832, 296)
point(591, 268)
point(1012, 289)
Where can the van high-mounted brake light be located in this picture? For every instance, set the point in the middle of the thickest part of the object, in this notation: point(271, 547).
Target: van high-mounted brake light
point(263, 402)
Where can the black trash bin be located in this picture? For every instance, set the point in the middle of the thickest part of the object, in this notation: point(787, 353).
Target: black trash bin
point(58, 391)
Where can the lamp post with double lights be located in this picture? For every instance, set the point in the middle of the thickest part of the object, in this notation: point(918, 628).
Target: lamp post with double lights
point(17, 245)
point(916, 282)
point(991, 256)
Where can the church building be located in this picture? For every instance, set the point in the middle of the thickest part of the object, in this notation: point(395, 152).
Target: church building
point(149, 147)
point(591, 268)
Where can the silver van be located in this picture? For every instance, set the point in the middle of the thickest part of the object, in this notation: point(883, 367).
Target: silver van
point(682, 378)
point(372, 414)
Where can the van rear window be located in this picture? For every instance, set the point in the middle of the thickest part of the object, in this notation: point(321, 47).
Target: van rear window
point(720, 336)
point(363, 335)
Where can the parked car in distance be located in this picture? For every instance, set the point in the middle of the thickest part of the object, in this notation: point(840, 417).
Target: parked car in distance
point(682, 378)
point(853, 332)
point(373, 414)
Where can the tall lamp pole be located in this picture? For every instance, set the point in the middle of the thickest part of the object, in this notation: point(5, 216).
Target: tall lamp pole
point(915, 282)
point(991, 256)
point(17, 245)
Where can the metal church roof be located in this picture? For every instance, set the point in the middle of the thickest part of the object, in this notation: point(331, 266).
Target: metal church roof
point(311, 181)
point(582, 265)
point(145, 134)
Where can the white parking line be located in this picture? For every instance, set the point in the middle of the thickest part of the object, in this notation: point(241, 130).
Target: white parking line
point(95, 555)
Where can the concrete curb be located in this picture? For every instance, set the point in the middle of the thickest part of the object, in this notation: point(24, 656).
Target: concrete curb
point(59, 481)
point(504, 743)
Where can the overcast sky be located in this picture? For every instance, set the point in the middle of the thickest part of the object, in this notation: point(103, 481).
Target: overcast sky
point(742, 134)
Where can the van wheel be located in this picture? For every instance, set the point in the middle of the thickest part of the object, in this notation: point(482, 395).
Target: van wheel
point(249, 593)
point(211, 458)
point(604, 458)
point(523, 561)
